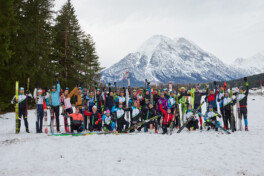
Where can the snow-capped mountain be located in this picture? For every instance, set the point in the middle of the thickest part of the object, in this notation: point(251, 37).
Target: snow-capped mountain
point(161, 59)
point(253, 65)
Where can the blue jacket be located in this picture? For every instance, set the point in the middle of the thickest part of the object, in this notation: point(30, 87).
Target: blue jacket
point(55, 96)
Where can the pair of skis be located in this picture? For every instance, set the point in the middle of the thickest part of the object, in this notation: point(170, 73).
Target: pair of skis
point(187, 121)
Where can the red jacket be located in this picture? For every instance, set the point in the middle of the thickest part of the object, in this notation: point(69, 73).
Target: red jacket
point(167, 117)
point(97, 116)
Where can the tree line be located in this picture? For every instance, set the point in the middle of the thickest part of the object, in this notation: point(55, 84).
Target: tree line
point(37, 42)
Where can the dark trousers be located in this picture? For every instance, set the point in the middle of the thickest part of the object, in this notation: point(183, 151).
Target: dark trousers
point(227, 118)
point(120, 125)
point(243, 112)
point(56, 110)
point(76, 125)
point(93, 127)
point(192, 123)
point(164, 128)
point(40, 114)
point(22, 112)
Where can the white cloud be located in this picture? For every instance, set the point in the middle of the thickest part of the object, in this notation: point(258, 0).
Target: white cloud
point(226, 28)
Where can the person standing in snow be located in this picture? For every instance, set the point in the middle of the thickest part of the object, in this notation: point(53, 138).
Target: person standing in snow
point(227, 102)
point(22, 103)
point(221, 94)
point(212, 98)
point(197, 101)
point(242, 100)
point(40, 99)
point(55, 102)
point(162, 102)
point(183, 100)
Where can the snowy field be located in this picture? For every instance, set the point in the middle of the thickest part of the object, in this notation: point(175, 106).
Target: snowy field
point(188, 153)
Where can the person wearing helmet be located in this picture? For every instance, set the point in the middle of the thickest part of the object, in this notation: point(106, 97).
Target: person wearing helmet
point(22, 104)
point(107, 118)
point(95, 119)
point(76, 120)
point(192, 118)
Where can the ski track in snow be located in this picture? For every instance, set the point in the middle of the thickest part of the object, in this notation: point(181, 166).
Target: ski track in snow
point(188, 153)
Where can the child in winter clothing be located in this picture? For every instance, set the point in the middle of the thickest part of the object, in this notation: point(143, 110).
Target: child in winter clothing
point(109, 125)
point(22, 100)
point(210, 116)
point(192, 118)
point(168, 117)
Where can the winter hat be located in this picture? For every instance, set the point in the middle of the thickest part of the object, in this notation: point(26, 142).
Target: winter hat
point(94, 107)
point(134, 90)
point(67, 88)
point(80, 88)
point(40, 90)
point(107, 111)
point(21, 88)
point(77, 107)
point(98, 89)
point(171, 92)
point(241, 87)
point(210, 106)
point(53, 87)
point(165, 89)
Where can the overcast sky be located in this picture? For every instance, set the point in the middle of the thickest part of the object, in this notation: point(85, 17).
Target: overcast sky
point(226, 28)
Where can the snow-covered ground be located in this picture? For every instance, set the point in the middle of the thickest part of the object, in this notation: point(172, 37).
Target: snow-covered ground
point(188, 153)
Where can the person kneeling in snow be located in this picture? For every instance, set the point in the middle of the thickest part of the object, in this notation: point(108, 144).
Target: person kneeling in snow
point(109, 125)
point(192, 118)
point(210, 119)
point(168, 117)
point(95, 119)
point(77, 120)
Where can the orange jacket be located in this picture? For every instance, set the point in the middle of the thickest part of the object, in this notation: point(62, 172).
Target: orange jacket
point(76, 116)
point(73, 92)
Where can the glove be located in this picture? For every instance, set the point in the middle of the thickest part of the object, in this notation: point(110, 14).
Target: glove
point(96, 123)
point(46, 89)
point(81, 84)
point(245, 79)
point(114, 83)
point(56, 78)
point(215, 83)
point(36, 84)
point(219, 116)
point(77, 83)
point(109, 84)
point(246, 84)
point(124, 88)
point(207, 120)
point(148, 83)
point(222, 97)
point(160, 102)
point(206, 98)
point(27, 92)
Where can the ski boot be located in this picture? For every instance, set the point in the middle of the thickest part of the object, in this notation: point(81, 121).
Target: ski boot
point(156, 131)
point(201, 128)
point(208, 128)
point(27, 130)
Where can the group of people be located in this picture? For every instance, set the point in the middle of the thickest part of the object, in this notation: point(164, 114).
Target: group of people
point(109, 110)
